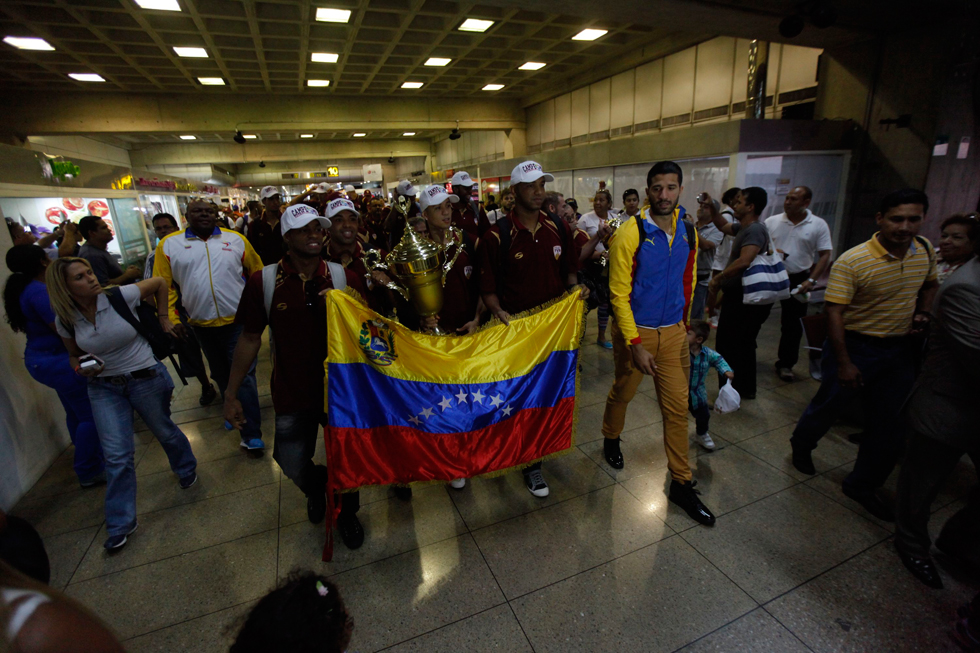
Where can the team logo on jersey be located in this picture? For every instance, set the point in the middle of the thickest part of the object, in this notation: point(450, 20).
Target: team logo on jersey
point(281, 307)
point(468, 271)
point(378, 343)
point(519, 255)
point(557, 252)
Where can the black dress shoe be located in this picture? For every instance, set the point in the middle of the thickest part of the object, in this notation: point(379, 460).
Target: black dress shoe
point(610, 448)
point(403, 493)
point(803, 462)
point(208, 395)
point(316, 507)
point(922, 568)
point(870, 502)
point(351, 531)
point(685, 496)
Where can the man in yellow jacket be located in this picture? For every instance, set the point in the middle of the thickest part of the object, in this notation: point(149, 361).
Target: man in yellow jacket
point(210, 265)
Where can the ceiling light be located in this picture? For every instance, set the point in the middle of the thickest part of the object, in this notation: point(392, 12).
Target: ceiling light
point(86, 77)
point(409, 134)
point(195, 53)
point(359, 135)
point(162, 5)
point(188, 137)
point(27, 43)
point(532, 65)
point(249, 136)
point(493, 87)
point(211, 81)
point(306, 135)
point(437, 61)
point(261, 164)
point(327, 15)
point(318, 82)
point(324, 57)
point(412, 85)
point(475, 25)
point(589, 34)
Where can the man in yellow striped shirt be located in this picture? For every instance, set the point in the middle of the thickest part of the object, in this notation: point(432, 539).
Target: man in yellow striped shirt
point(877, 302)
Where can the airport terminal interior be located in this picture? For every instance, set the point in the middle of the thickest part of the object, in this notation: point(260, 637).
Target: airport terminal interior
point(116, 111)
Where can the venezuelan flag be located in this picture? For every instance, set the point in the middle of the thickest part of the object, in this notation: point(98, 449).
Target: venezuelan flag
point(404, 406)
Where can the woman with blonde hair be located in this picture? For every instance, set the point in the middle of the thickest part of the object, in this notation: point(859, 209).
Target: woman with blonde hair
point(123, 376)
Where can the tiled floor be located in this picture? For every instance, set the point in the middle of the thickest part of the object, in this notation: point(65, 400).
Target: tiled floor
point(603, 564)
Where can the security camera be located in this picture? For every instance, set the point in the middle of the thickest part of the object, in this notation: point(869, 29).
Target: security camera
point(391, 159)
point(239, 137)
point(261, 164)
point(455, 135)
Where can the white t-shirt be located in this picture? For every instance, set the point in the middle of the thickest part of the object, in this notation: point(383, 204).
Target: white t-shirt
point(724, 251)
point(495, 215)
point(801, 243)
point(589, 223)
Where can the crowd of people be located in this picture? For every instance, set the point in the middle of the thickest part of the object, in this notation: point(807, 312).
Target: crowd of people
point(903, 347)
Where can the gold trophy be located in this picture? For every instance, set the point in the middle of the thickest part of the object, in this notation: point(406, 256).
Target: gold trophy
point(421, 267)
point(613, 223)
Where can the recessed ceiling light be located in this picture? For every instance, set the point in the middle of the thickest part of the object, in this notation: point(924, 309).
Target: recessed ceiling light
point(437, 61)
point(195, 53)
point(475, 25)
point(327, 15)
point(359, 135)
point(27, 43)
point(532, 65)
point(86, 77)
point(324, 57)
point(162, 5)
point(250, 136)
point(211, 81)
point(589, 34)
point(306, 135)
point(318, 82)
point(188, 137)
point(412, 85)
point(493, 87)
point(409, 134)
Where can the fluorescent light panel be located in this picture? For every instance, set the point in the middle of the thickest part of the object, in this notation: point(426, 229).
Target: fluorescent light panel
point(318, 82)
point(328, 15)
point(359, 135)
point(306, 135)
point(28, 43)
point(86, 77)
point(211, 81)
point(590, 34)
point(188, 137)
point(249, 136)
point(412, 85)
point(493, 87)
point(160, 5)
point(532, 65)
point(437, 61)
point(324, 57)
point(409, 134)
point(191, 53)
point(475, 25)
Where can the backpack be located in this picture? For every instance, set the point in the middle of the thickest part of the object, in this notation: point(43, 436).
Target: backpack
point(504, 225)
point(147, 324)
point(337, 275)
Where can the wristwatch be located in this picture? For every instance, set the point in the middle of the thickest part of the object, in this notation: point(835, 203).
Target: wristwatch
point(813, 281)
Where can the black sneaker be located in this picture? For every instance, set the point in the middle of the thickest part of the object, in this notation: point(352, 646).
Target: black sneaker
point(403, 493)
point(208, 395)
point(803, 462)
point(351, 531)
point(116, 542)
point(685, 496)
point(316, 507)
point(188, 480)
point(612, 453)
point(98, 479)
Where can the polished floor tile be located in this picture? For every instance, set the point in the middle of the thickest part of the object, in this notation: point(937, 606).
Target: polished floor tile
point(494, 631)
point(209, 440)
point(764, 413)
point(63, 513)
point(643, 411)
point(756, 632)
point(212, 633)
point(774, 447)
point(66, 551)
point(643, 452)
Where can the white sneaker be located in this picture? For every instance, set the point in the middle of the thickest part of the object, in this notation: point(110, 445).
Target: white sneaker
point(713, 321)
point(815, 373)
point(535, 483)
point(458, 483)
point(706, 441)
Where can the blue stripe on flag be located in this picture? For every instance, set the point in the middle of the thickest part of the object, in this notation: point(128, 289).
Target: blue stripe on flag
point(363, 398)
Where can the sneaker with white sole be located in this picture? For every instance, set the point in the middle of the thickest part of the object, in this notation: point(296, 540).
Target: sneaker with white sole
point(815, 373)
point(116, 542)
point(255, 444)
point(535, 483)
point(458, 483)
point(705, 441)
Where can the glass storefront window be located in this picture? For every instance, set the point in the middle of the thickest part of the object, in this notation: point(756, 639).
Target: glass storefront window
point(150, 205)
point(43, 214)
point(130, 231)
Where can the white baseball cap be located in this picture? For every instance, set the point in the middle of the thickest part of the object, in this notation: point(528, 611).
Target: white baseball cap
point(435, 195)
point(462, 179)
point(405, 187)
point(340, 204)
point(527, 172)
point(322, 187)
point(268, 191)
point(348, 187)
point(300, 215)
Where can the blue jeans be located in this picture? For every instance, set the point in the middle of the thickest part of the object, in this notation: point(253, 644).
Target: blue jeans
point(700, 297)
point(218, 344)
point(887, 368)
point(112, 406)
point(53, 370)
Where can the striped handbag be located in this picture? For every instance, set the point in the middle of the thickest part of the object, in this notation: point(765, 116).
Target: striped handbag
point(766, 280)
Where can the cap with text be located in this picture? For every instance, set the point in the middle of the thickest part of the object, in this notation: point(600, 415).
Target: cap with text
point(528, 172)
point(435, 195)
point(340, 204)
point(462, 179)
point(300, 215)
point(268, 191)
point(405, 187)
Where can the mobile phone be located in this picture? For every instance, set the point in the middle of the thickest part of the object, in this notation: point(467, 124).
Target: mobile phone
point(89, 361)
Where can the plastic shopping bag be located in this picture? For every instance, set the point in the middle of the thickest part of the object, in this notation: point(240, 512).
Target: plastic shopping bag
point(728, 400)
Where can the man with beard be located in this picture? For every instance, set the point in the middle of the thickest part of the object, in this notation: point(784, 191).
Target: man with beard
point(506, 204)
point(651, 283)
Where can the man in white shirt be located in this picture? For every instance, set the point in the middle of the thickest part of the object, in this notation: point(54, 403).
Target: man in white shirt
point(506, 204)
point(804, 241)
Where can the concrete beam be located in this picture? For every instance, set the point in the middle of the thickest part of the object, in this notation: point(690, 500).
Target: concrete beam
point(106, 113)
point(228, 153)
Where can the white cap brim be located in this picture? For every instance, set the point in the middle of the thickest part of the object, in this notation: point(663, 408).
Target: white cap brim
point(304, 220)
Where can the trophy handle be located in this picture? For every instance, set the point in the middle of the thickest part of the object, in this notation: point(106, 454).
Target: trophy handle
point(372, 261)
point(457, 238)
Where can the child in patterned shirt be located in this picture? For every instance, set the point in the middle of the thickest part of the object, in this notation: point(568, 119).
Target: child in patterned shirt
point(702, 358)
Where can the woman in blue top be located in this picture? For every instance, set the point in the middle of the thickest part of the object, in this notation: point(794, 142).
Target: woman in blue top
point(28, 309)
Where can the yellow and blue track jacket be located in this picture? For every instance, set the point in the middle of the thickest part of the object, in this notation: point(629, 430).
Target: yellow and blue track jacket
point(210, 274)
point(652, 274)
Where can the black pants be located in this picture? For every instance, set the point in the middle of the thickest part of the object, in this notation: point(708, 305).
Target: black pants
point(701, 417)
point(791, 329)
point(738, 330)
point(927, 465)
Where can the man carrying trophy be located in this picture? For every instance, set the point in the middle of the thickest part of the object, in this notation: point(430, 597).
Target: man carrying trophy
point(527, 259)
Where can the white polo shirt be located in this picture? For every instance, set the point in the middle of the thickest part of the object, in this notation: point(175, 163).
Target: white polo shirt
point(801, 243)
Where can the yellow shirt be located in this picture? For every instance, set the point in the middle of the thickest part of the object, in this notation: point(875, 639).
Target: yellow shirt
point(880, 290)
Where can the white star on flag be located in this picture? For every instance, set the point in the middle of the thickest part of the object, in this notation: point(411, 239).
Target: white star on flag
point(506, 410)
point(462, 397)
point(496, 400)
point(426, 413)
point(446, 403)
point(414, 420)
point(478, 397)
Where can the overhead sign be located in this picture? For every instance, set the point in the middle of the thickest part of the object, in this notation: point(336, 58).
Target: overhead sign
point(372, 172)
point(333, 171)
